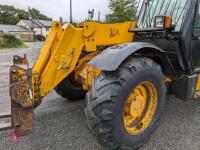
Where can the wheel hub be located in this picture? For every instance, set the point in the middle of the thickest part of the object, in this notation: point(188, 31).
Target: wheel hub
point(140, 107)
point(137, 106)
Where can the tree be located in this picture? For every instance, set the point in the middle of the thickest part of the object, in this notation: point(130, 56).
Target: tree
point(11, 15)
point(7, 14)
point(23, 14)
point(35, 14)
point(121, 10)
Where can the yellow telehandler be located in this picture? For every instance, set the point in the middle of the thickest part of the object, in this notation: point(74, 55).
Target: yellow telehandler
point(124, 82)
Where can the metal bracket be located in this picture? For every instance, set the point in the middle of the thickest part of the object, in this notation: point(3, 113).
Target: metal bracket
point(22, 102)
point(18, 60)
point(65, 61)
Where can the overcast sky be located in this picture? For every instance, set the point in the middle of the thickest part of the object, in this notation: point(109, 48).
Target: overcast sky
point(57, 8)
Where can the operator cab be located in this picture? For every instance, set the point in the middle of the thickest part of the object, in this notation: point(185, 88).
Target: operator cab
point(174, 26)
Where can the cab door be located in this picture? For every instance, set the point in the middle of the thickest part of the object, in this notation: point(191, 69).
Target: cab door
point(195, 43)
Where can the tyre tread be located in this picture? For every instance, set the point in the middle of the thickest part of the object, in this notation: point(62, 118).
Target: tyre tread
point(99, 98)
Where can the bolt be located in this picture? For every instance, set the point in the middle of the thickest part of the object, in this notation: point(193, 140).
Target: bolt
point(139, 126)
point(57, 25)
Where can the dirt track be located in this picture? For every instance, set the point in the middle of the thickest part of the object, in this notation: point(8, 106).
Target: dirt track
point(60, 124)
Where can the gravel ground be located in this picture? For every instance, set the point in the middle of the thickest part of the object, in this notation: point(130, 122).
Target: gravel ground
point(60, 124)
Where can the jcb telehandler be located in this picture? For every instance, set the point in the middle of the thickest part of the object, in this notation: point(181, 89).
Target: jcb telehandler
point(126, 82)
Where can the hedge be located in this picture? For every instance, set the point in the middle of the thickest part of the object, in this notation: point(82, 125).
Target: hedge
point(9, 40)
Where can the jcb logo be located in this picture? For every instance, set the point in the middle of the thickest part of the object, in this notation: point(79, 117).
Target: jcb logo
point(113, 32)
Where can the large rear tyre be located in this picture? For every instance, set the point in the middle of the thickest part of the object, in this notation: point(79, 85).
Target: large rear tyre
point(70, 89)
point(123, 107)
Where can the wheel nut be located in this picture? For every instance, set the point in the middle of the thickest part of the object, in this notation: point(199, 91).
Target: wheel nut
point(139, 126)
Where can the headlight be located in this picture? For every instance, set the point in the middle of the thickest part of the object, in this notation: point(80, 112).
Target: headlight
point(164, 22)
point(159, 22)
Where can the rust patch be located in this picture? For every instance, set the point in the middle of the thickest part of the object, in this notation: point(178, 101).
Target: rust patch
point(18, 60)
point(22, 119)
point(16, 74)
point(22, 110)
point(19, 93)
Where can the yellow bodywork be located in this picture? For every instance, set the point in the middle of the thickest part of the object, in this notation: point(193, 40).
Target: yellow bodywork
point(61, 53)
point(85, 73)
point(197, 90)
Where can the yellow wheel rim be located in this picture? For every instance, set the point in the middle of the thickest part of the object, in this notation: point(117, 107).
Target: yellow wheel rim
point(140, 108)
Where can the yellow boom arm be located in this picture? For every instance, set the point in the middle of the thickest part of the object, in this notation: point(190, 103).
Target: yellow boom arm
point(63, 47)
point(61, 54)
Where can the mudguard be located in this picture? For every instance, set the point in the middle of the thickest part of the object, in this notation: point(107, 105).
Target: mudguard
point(112, 57)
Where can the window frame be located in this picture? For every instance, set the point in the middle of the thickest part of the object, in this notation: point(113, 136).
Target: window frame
point(143, 12)
point(197, 11)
